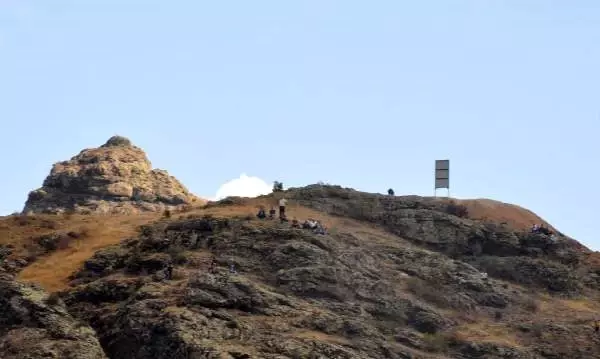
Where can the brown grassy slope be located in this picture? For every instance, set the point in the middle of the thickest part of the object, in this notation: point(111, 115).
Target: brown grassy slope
point(52, 270)
point(499, 212)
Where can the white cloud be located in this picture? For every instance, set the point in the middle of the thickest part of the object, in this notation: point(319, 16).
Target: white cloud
point(244, 186)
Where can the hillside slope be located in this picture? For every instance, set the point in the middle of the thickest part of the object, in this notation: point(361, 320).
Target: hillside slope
point(394, 277)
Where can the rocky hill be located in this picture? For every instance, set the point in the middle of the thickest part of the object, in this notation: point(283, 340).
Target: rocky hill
point(393, 277)
point(117, 177)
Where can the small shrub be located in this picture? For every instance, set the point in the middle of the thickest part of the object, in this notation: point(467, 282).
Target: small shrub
point(177, 254)
point(391, 192)
point(531, 305)
point(277, 186)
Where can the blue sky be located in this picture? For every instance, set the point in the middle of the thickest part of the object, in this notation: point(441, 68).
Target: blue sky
point(365, 95)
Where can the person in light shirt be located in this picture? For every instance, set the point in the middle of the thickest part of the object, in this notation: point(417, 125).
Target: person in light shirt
point(282, 204)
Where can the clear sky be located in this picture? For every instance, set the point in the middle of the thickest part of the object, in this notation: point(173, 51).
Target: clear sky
point(361, 94)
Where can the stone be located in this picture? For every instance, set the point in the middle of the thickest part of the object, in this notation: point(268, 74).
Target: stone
point(117, 177)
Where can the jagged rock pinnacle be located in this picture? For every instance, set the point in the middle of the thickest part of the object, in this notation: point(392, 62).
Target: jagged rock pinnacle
point(117, 177)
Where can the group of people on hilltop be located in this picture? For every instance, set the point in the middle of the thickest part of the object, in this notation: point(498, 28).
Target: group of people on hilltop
point(262, 214)
point(310, 223)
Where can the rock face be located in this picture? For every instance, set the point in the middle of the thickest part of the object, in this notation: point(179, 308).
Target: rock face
point(36, 325)
point(117, 177)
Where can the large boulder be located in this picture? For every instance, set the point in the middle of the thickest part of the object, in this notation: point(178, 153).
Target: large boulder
point(117, 177)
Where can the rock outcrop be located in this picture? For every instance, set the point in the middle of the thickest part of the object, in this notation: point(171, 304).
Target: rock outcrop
point(34, 324)
point(117, 177)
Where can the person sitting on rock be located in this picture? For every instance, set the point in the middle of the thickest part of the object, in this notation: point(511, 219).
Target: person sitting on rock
point(309, 224)
point(272, 213)
point(319, 229)
point(534, 228)
point(261, 213)
point(295, 223)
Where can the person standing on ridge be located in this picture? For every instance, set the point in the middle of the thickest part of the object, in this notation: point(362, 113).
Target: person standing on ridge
point(282, 204)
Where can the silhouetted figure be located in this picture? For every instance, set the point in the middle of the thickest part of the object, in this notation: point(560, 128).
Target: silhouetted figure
point(272, 213)
point(597, 326)
point(170, 271)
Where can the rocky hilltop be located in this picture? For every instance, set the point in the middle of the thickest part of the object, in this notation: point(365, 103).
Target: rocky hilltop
point(117, 177)
point(394, 277)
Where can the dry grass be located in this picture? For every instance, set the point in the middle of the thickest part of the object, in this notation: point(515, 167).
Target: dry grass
point(582, 311)
point(514, 216)
point(483, 331)
point(53, 270)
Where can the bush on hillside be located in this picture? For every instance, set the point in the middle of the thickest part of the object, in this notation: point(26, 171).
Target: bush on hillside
point(277, 186)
